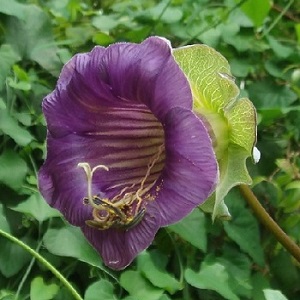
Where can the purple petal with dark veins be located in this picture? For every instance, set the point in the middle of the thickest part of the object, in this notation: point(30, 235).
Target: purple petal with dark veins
point(118, 248)
point(119, 77)
point(191, 171)
point(125, 142)
point(128, 107)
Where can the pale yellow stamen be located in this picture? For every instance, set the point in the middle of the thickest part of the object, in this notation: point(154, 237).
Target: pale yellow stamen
point(123, 210)
point(129, 198)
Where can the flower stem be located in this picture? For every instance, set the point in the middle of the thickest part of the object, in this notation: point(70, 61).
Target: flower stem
point(42, 260)
point(267, 221)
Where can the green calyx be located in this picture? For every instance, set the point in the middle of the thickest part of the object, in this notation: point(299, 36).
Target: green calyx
point(231, 121)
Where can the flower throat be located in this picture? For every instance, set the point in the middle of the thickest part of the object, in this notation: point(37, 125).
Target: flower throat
point(124, 210)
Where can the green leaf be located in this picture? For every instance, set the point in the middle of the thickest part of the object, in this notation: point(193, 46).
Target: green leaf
point(24, 118)
point(229, 29)
point(150, 266)
point(246, 43)
point(64, 294)
point(259, 282)
point(284, 270)
point(170, 14)
point(244, 229)
point(241, 67)
point(6, 294)
point(21, 73)
point(297, 29)
point(12, 257)
point(274, 68)
point(64, 56)
point(192, 229)
point(257, 10)
point(103, 39)
point(32, 38)
point(70, 241)
point(274, 295)
point(8, 57)
point(39, 290)
point(105, 23)
point(238, 266)
point(211, 277)
point(12, 8)
point(19, 85)
point(293, 185)
point(268, 95)
point(279, 49)
point(138, 286)
point(240, 18)
point(13, 169)
point(11, 127)
point(79, 35)
point(295, 77)
point(211, 37)
point(2, 104)
point(37, 207)
point(101, 289)
point(3, 220)
point(164, 297)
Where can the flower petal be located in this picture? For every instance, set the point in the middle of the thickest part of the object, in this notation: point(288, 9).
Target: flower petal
point(126, 142)
point(122, 76)
point(91, 120)
point(117, 247)
point(191, 172)
point(127, 107)
point(151, 76)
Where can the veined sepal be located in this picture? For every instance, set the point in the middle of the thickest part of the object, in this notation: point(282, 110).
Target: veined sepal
point(231, 121)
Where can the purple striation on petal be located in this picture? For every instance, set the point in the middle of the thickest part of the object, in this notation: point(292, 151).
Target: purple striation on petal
point(190, 173)
point(128, 107)
point(120, 77)
point(125, 142)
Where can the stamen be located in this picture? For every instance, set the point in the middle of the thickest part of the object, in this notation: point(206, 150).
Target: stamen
point(123, 190)
point(150, 166)
point(123, 210)
point(129, 198)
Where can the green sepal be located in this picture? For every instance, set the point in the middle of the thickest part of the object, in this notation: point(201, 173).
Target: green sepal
point(242, 121)
point(231, 122)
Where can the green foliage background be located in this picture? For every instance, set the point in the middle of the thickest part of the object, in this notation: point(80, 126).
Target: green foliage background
point(194, 259)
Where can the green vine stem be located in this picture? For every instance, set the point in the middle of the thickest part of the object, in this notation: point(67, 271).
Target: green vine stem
point(274, 23)
point(42, 260)
point(267, 221)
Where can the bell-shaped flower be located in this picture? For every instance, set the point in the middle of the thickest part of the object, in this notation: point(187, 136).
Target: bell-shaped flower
point(231, 121)
point(125, 152)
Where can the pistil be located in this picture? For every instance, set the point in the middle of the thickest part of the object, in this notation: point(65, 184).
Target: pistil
point(123, 210)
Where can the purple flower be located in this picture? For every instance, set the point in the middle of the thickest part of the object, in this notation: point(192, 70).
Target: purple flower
point(126, 154)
